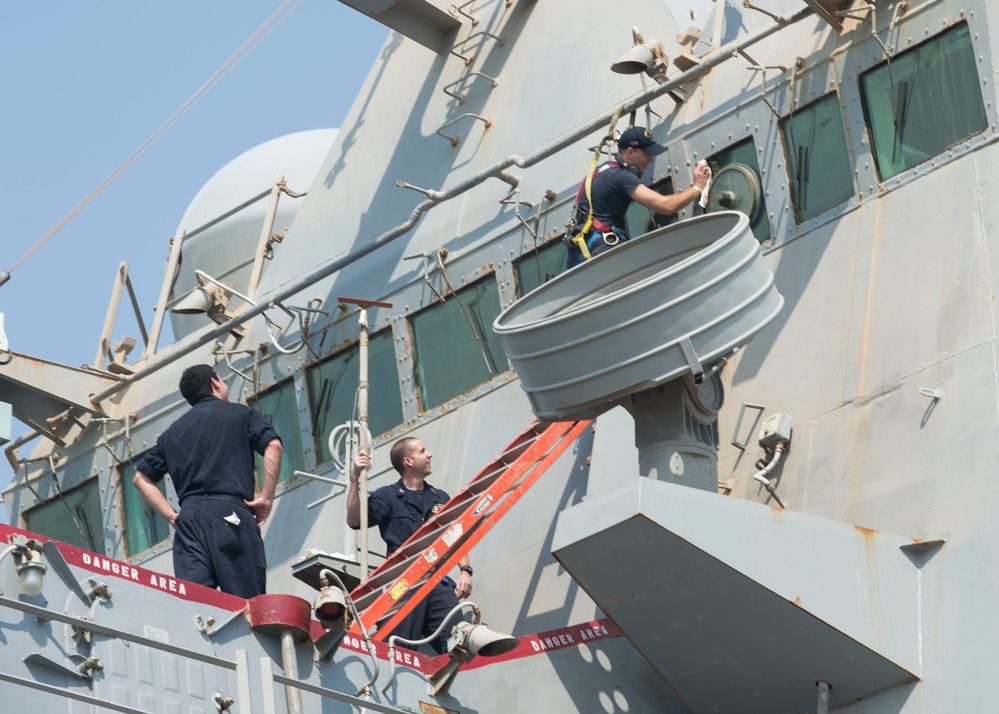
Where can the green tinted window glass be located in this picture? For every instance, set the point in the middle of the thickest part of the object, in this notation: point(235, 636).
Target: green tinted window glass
point(333, 390)
point(817, 159)
point(280, 409)
point(454, 344)
point(741, 180)
point(539, 266)
point(144, 527)
point(73, 518)
point(641, 220)
point(926, 100)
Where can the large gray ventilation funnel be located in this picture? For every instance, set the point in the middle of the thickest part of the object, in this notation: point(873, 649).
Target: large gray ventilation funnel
point(644, 313)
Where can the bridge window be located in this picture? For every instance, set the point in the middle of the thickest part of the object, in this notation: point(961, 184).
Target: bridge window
point(925, 100)
point(333, 390)
point(817, 159)
point(280, 409)
point(736, 185)
point(143, 526)
point(73, 518)
point(641, 220)
point(454, 344)
point(539, 266)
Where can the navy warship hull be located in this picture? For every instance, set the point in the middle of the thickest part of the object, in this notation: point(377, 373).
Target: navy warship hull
point(781, 496)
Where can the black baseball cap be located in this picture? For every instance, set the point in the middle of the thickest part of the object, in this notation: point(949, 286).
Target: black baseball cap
point(638, 137)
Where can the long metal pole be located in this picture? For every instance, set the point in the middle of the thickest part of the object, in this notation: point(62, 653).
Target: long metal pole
point(294, 697)
point(362, 418)
point(171, 270)
point(111, 317)
point(265, 235)
point(822, 707)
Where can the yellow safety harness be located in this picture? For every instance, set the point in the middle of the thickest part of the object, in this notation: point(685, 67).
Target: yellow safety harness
point(580, 238)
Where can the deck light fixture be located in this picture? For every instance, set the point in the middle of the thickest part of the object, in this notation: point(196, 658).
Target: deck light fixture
point(196, 302)
point(467, 640)
point(31, 570)
point(336, 613)
point(644, 56)
point(209, 298)
point(330, 604)
point(27, 554)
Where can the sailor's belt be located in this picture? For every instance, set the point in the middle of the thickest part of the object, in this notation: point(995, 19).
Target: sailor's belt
point(238, 500)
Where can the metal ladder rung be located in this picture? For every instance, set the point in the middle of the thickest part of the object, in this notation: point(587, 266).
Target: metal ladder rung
point(563, 435)
point(409, 569)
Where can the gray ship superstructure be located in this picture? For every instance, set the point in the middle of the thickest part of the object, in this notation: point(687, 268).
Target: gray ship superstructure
point(783, 501)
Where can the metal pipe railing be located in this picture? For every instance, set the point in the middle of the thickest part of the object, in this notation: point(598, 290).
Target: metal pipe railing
point(46, 614)
point(67, 693)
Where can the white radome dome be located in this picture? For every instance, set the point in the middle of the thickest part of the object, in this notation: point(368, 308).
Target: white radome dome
point(225, 250)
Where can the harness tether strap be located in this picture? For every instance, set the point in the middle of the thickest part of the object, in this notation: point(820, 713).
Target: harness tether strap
point(580, 238)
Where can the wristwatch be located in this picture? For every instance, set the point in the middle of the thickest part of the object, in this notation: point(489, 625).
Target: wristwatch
point(466, 569)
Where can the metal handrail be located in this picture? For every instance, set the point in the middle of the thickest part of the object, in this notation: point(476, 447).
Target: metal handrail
point(70, 694)
point(46, 614)
point(362, 703)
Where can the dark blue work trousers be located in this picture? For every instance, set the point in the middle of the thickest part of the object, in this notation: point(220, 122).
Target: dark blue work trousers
point(429, 614)
point(218, 553)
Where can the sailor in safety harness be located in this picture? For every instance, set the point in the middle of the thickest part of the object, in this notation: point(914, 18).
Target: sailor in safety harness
point(611, 187)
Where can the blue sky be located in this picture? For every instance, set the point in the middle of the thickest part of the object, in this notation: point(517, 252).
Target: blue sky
point(85, 84)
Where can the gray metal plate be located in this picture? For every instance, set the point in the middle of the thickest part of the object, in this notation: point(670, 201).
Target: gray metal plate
point(721, 639)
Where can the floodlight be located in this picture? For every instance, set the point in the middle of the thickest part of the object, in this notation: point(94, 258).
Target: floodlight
point(644, 56)
point(467, 640)
point(28, 563)
point(31, 571)
point(480, 640)
point(197, 301)
point(211, 298)
point(330, 605)
point(638, 59)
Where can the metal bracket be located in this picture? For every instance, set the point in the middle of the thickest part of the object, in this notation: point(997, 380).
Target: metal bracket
point(460, 10)
point(741, 445)
point(468, 60)
point(82, 669)
point(690, 354)
point(457, 137)
point(461, 100)
point(204, 624)
point(222, 701)
point(61, 568)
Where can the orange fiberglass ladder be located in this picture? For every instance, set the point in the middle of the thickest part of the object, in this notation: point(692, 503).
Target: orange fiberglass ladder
point(440, 543)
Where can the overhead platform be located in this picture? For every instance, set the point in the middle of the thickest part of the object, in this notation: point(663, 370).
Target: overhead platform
point(749, 617)
point(40, 391)
point(422, 21)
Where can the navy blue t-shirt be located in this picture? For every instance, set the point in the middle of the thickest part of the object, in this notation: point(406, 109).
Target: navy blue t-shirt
point(399, 512)
point(209, 450)
point(611, 189)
